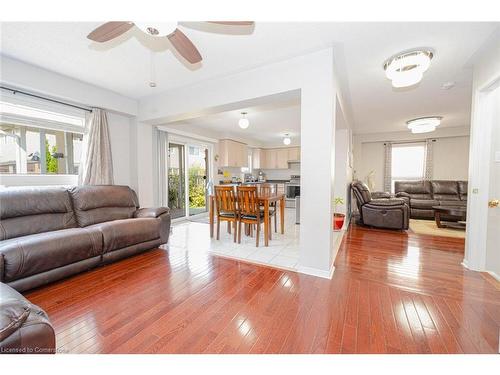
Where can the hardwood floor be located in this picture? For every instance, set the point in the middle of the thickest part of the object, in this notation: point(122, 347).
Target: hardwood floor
point(391, 292)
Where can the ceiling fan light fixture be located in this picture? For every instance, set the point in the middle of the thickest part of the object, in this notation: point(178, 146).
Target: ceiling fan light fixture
point(424, 124)
point(407, 69)
point(287, 140)
point(243, 122)
point(157, 29)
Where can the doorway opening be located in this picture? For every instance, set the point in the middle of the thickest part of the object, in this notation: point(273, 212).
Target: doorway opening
point(188, 167)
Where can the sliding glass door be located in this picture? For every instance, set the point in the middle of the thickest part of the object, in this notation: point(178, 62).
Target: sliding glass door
point(197, 174)
point(188, 168)
point(176, 181)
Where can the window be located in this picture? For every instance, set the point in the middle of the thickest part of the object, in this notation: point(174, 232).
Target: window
point(36, 138)
point(407, 162)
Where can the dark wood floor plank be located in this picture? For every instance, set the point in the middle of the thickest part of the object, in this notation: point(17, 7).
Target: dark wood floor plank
point(392, 292)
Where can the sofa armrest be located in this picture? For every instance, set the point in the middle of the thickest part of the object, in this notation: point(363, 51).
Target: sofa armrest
point(381, 194)
point(151, 212)
point(159, 213)
point(384, 202)
point(405, 196)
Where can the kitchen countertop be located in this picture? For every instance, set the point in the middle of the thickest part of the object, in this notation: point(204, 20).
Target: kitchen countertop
point(256, 182)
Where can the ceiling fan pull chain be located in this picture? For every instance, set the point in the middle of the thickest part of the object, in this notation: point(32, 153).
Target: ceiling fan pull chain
point(152, 76)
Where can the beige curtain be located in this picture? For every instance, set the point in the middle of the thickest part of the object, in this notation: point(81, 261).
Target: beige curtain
point(429, 159)
point(96, 166)
point(387, 167)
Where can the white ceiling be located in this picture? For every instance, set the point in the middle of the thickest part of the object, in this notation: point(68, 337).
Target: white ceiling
point(361, 48)
point(268, 124)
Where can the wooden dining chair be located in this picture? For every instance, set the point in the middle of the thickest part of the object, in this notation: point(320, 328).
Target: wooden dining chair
point(225, 207)
point(249, 209)
point(268, 189)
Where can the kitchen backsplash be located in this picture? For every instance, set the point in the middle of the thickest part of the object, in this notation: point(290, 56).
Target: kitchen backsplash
point(271, 174)
point(280, 174)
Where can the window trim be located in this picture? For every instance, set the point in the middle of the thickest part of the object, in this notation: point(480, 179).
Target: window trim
point(411, 178)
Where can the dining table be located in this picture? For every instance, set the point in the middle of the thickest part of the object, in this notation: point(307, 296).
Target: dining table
point(265, 200)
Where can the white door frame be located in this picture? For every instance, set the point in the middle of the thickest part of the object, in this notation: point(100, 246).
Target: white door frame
point(479, 175)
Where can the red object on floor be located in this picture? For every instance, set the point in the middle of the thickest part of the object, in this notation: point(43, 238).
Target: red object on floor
point(338, 221)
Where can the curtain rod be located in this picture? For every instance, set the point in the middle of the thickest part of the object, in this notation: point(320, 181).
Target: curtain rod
point(421, 140)
point(15, 91)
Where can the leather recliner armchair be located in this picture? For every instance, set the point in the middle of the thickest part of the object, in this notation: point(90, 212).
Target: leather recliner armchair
point(24, 327)
point(380, 209)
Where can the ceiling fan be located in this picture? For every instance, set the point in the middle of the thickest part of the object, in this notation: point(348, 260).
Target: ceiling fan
point(170, 30)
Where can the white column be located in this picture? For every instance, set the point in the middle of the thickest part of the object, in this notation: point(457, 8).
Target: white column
point(318, 97)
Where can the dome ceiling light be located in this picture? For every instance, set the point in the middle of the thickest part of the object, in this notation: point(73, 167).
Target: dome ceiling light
point(424, 124)
point(243, 122)
point(407, 69)
point(287, 140)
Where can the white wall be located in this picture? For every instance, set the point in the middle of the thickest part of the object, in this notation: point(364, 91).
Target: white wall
point(451, 158)
point(20, 75)
point(343, 172)
point(120, 134)
point(121, 118)
point(314, 76)
point(145, 165)
point(450, 162)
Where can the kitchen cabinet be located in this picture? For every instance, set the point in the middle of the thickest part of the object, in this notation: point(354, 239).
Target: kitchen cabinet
point(268, 159)
point(256, 158)
point(278, 158)
point(232, 154)
point(282, 158)
point(294, 154)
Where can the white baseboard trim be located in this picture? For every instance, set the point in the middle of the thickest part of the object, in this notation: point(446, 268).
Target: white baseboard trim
point(316, 272)
point(494, 275)
point(491, 273)
point(465, 263)
point(323, 273)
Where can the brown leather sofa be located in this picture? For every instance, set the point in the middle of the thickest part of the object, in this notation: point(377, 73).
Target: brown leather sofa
point(380, 209)
point(47, 234)
point(421, 196)
point(24, 327)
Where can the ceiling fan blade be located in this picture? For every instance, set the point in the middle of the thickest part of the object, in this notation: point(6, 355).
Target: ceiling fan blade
point(233, 23)
point(110, 30)
point(184, 46)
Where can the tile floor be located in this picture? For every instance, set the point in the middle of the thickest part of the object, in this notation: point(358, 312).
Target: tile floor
point(282, 252)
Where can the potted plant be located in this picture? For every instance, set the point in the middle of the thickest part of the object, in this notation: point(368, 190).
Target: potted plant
point(338, 218)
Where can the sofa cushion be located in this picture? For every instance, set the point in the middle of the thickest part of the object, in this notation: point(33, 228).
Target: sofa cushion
point(453, 203)
point(445, 190)
point(415, 189)
point(122, 233)
point(36, 253)
point(101, 203)
point(462, 190)
point(423, 203)
point(25, 211)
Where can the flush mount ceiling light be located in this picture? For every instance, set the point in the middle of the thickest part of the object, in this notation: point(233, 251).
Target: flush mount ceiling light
point(243, 123)
point(287, 140)
point(424, 124)
point(407, 69)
